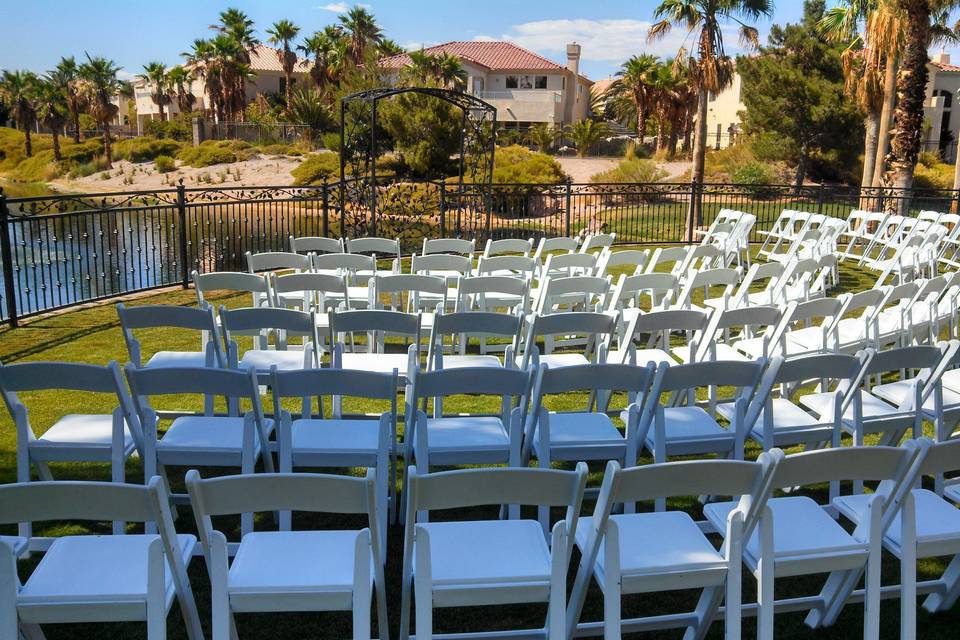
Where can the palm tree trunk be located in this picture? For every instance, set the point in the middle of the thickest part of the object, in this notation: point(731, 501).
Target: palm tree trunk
point(695, 217)
point(288, 94)
point(883, 137)
point(872, 127)
point(27, 142)
point(911, 91)
point(76, 125)
point(56, 143)
point(107, 151)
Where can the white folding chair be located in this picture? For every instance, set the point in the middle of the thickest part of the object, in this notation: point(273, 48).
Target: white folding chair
point(445, 439)
point(310, 291)
point(376, 248)
point(818, 336)
point(302, 570)
point(747, 293)
point(452, 267)
point(236, 440)
point(797, 536)
point(595, 241)
point(571, 293)
point(565, 265)
point(489, 293)
point(342, 440)
point(75, 437)
point(549, 245)
point(315, 244)
point(488, 562)
point(509, 266)
point(459, 326)
point(97, 578)
point(358, 270)
point(778, 231)
point(595, 329)
point(508, 245)
point(631, 291)
point(262, 322)
point(233, 281)
point(658, 327)
point(460, 246)
point(172, 317)
point(668, 260)
point(629, 553)
point(634, 259)
point(714, 283)
point(376, 324)
point(862, 228)
point(411, 293)
point(730, 326)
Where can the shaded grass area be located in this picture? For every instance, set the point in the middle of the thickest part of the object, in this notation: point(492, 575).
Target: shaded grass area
point(93, 335)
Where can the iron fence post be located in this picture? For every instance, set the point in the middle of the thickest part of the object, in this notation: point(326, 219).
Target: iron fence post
point(7, 255)
point(820, 198)
point(443, 207)
point(566, 206)
point(182, 219)
point(326, 207)
point(488, 207)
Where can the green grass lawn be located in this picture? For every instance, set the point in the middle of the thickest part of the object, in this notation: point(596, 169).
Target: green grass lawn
point(92, 335)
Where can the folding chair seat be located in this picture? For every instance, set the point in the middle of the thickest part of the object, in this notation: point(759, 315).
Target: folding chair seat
point(358, 269)
point(597, 330)
point(284, 570)
point(819, 315)
point(488, 562)
point(594, 241)
point(315, 244)
point(376, 324)
point(459, 246)
point(799, 537)
point(73, 437)
point(340, 440)
point(464, 324)
point(717, 340)
point(684, 427)
point(172, 317)
point(465, 439)
point(865, 412)
point(659, 327)
point(283, 324)
point(633, 259)
point(629, 553)
point(235, 439)
point(97, 578)
point(508, 246)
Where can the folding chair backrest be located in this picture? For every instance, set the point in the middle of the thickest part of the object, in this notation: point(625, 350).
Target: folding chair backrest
point(354, 383)
point(157, 316)
point(253, 283)
point(659, 287)
point(520, 264)
point(941, 457)
point(494, 381)
point(487, 322)
point(508, 245)
point(276, 260)
point(574, 322)
point(597, 241)
point(556, 244)
point(491, 284)
point(685, 478)
point(346, 261)
point(671, 320)
point(448, 245)
point(593, 377)
point(412, 284)
point(823, 366)
point(193, 380)
point(867, 464)
point(308, 282)
point(668, 255)
point(911, 357)
point(383, 247)
point(703, 257)
point(636, 258)
point(66, 376)
point(826, 308)
point(742, 375)
point(570, 263)
point(250, 321)
point(315, 244)
point(440, 262)
point(383, 320)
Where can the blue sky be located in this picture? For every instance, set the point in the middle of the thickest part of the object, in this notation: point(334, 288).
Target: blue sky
point(133, 32)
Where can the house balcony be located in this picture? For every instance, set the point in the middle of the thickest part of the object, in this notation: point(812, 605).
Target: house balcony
point(526, 105)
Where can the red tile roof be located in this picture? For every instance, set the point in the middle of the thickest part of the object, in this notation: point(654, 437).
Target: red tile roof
point(495, 56)
point(945, 67)
point(264, 58)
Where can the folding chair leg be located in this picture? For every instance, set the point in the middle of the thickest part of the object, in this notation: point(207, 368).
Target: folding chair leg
point(423, 588)
point(764, 575)
point(556, 613)
point(707, 605)
point(611, 609)
point(361, 587)
point(908, 570)
point(9, 586)
point(156, 593)
point(942, 601)
point(31, 631)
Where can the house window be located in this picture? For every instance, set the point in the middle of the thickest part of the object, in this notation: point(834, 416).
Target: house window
point(512, 82)
point(540, 82)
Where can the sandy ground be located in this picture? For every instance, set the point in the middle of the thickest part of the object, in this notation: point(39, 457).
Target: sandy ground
point(128, 176)
point(582, 169)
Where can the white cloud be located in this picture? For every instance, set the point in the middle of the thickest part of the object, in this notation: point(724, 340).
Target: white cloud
point(123, 74)
point(340, 7)
point(601, 40)
point(416, 45)
point(484, 38)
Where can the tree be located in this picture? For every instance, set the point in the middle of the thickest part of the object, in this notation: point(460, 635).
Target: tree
point(155, 76)
point(179, 79)
point(202, 64)
point(711, 70)
point(911, 90)
point(425, 131)
point(18, 90)
point(630, 92)
point(450, 71)
point(429, 69)
point(362, 32)
point(306, 107)
point(387, 47)
point(795, 90)
point(100, 85)
point(282, 34)
point(542, 136)
point(329, 51)
point(67, 76)
point(52, 112)
point(585, 134)
point(232, 48)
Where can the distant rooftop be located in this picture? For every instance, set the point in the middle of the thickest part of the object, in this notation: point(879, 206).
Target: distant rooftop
point(495, 56)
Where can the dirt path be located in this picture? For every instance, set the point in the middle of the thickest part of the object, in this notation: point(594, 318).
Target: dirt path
point(582, 169)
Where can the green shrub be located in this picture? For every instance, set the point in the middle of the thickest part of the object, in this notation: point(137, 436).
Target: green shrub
point(331, 141)
point(164, 164)
point(86, 151)
point(755, 176)
point(929, 159)
point(516, 164)
point(938, 176)
point(281, 150)
point(83, 170)
point(145, 149)
point(179, 128)
point(316, 167)
point(40, 167)
point(635, 170)
point(211, 152)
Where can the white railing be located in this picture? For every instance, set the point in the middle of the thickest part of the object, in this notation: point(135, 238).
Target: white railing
point(522, 95)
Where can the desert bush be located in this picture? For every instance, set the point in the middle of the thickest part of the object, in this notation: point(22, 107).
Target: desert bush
point(179, 128)
point(929, 159)
point(517, 164)
point(756, 177)
point(281, 150)
point(145, 149)
point(937, 176)
point(635, 170)
point(316, 167)
point(211, 152)
point(164, 164)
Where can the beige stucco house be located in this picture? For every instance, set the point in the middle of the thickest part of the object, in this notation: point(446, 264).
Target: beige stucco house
point(525, 87)
point(267, 78)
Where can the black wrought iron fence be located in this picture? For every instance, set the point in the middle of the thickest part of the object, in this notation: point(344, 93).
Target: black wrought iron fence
point(62, 250)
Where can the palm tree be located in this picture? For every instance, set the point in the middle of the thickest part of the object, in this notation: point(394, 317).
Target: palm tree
point(664, 92)
point(712, 69)
point(362, 32)
point(282, 34)
point(179, 79)
point(52, 111)
point(329, 51)
point(543, 136)
point(585, 134)
point(632, 90)
point(387, 47)
point(155, 76)
point(67, 75)
point(450, 71)
point(18, 90)
point(202, 64)
point(233, 45)
point(101, 84)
